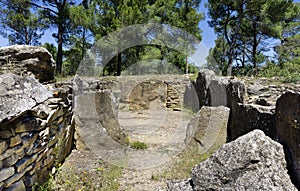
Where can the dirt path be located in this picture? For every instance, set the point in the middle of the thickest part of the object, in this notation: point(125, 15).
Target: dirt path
point(163, 130)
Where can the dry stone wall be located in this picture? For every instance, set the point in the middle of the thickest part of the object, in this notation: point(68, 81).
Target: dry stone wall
point(36, 131)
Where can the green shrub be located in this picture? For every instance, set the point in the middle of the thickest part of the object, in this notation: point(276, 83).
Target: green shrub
point(288, 73)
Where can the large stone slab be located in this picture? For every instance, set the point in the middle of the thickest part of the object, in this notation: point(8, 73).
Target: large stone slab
point(247, 117)
point(19, 94)
point(27, 60)
point(288, 131)
point(98, 109)
point(208, 129)
point(201, 85)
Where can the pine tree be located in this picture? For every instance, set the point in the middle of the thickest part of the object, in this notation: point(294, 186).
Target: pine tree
point(20, 24)
point(247, 25)
point(289, 50)
point(58, 14)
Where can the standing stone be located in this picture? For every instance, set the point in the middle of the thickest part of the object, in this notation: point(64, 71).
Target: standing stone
point(249, 117)
point(288, 131)
point(236, 93)
point(97, 112)
point(208, 128)
point(217, 95)
point(201, 85)
point(107, 110)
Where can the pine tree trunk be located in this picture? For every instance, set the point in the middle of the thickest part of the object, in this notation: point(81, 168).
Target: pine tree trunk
point(59, 50)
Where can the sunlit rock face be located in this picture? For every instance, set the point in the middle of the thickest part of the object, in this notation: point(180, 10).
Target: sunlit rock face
point(27, 60)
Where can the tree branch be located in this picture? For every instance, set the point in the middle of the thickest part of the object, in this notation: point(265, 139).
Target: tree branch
point(43, 7)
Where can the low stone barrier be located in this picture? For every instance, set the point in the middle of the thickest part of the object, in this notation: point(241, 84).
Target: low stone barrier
point(36, 131)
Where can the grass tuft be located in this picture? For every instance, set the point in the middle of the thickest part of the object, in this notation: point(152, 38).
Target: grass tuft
point(138, 145)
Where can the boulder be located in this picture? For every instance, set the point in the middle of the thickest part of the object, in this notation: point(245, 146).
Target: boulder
point(218, 91)
point(251, 162)
point(179, 185)
point(20, 94)
point(208, 129)
point(288, 131)
point(27, 60)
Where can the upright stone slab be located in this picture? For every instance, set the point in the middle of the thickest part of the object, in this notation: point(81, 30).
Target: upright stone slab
point(288, 131)
point(248, 117)
point(236, 92)
point(208, 129)
point(201, 85)
point(217, 95)
point(97, 112)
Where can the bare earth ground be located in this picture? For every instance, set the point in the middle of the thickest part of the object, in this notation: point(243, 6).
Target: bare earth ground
point(163, 131)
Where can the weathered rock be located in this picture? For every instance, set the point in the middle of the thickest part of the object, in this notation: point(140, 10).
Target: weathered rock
point(19, 94)
point(5, 134)
point(216, 92)
point(16, 177)
point(15, 141)
point(32, 136)
point(190, 99)
point(208, 128)
point(179, 185)
point(98, 109)
point(10, 160)
point(236, 93)
point(248, 117)
point(27, 60)
point(219, 91)
point(25, 162)
point(6, 173)
point(201, 85)
point(144, 93)
point(18, 186)
point(288, 131)
point(251, 162)
point(3, 146)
